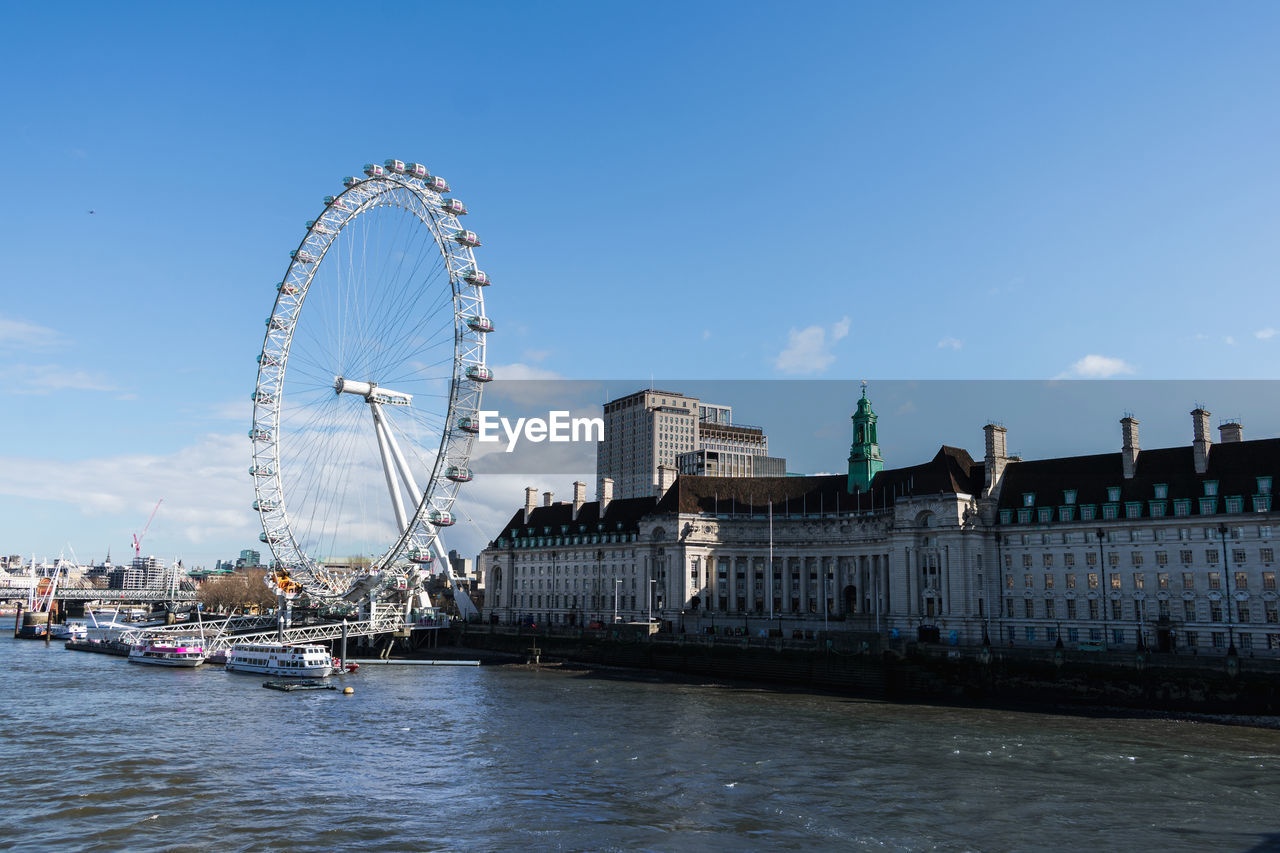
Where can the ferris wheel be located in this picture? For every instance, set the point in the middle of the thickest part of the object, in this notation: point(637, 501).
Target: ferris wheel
point(369, 384)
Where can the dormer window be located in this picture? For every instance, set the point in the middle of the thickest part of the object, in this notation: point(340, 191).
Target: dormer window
point(1264, 485)
point(1028, 498)
point(1162, 491)
point(1210, 488)
point(1113, 493)
point(1069, 497)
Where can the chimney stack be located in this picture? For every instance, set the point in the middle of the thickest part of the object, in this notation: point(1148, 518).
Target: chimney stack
point(1200, 442)
point(579, 497)
point(666, 479)
point(1231, 431)
point(1129, 446)
point(606, 494)
point(996, 458)
point(530, 501)
point(546, 498)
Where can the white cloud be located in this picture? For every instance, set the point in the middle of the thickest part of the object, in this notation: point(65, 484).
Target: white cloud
point(42, 379)
point(1097, 367)
point(808, 349)
point(1264, 334)
point(950, 342)
point(1229, 340)
point(522, 371)
point(19, 333)
point(536, 355)
point(706, 334)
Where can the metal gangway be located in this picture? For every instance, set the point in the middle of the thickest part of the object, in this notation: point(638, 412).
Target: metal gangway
point(386, 619)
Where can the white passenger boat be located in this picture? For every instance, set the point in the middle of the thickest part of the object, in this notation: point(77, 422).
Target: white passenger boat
point(280, 660)
point(182, 651)
point(70, 631)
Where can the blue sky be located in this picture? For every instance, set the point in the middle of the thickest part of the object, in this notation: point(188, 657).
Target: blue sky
point(703, 190)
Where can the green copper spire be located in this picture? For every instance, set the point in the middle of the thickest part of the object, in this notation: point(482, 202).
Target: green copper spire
point(864, 455)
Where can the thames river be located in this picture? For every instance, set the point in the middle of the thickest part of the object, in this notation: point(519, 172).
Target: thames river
point(101, 754)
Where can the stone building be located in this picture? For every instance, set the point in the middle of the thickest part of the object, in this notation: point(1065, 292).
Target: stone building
point(1171, 548)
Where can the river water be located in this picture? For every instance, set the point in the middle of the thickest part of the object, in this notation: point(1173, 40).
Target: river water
point(101, 754)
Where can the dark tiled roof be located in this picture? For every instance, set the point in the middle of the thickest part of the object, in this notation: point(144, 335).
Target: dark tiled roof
point(950, 471)
point(627, 511)
point(1235, 466)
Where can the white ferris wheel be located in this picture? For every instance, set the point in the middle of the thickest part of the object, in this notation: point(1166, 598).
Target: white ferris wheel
point(369, 383)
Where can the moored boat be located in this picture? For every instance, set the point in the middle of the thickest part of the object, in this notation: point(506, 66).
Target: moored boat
point(183, 651)
point(280, 660)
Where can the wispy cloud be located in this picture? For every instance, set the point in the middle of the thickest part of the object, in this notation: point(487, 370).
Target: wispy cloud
point(1265, 334)
point(1229, 340)
point(950, 343)
point(43, 379)
point(808, 350)
point(21, 334)
point(1097, 367)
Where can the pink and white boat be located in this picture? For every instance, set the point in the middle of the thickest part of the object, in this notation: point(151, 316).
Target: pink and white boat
point(182, 651)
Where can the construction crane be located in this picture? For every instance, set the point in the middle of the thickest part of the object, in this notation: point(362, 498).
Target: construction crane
point(137, 537)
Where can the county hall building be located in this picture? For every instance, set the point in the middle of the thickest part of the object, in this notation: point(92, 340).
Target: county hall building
point(1171, 548)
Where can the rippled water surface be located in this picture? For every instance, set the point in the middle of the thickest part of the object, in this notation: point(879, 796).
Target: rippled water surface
point(100, 754)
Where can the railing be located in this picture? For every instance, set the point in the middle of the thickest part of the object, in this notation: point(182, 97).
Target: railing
point(385, 622)
point(113, 595)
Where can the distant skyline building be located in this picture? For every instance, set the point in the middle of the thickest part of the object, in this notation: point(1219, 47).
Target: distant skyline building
point(651, 435)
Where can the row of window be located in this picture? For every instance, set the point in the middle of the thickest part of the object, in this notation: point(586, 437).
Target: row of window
point(1266, 556)
point(1138, 611)
point(1159, 491)
point(1133, 509)
point(1120, 637)
point(1139, 580)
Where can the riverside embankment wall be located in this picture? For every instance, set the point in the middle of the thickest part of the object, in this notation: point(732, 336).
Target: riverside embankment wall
point(916, 672)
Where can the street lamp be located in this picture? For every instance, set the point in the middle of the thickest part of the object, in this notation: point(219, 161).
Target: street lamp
point(617, 584)
point(1226, 572)
point(653, 588)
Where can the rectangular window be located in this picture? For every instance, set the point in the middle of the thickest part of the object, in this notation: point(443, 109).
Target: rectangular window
point(1093, 580)
point(1026, 561)
point(1071, 608)
point(1135, 558)
point(1235, 504)
point(1219, 639)
point(1029, 607)
point(1008, 581)
point(1189, 611)
point(1211, 556)
point(1266, 555)
point(1264, 485)
point(1115, 608)
point(1068, 560)
point(1050, 611)
point(1272, 612)
point(1093, 608)
point(1113, 493)
point(1066, 513)
point(1047, 559)
point(1139, 580)
point(1182, 508)
point(1242, 580)
point(1028, 498)
point(1156, 509)
point(1162, 580)
point(1031, 635)
point(1268, 580)
point(1110, 511)
point(1044, 514)
point(1208, 506)
point(1091, 558)
point(1215, 611)
point(1161, 491)
point(1237, 555)
point(1210, 488)
point(1117, 636)
point(1215, 580)
point(1087, 512)
point(1115, 580)
point(1008, 561)
point(1113, 559)
point(1133, 509)
point(1188, 580)
point(1184, 556)
point(1193, 639)
point(1006, 516)
point(1071, 581)
point(1024, 516)
point(1028, 581)
point(1242, 613)
point(1069, 495)
point(1008, 607)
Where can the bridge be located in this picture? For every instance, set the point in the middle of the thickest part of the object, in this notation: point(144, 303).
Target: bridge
point(386, 619)
point(113, 596)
